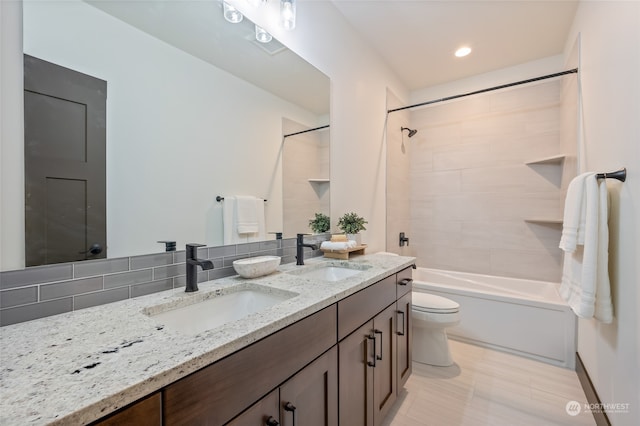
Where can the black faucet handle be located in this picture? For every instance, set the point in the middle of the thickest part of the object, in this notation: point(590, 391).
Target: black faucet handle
point(192, 250)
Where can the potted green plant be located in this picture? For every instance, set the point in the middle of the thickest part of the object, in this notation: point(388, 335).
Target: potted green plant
point(321, 223)
point(351, 224)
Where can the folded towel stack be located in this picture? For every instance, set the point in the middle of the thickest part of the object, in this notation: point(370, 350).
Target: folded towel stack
point(338, 238)
point(339, 245)
point(585, 240)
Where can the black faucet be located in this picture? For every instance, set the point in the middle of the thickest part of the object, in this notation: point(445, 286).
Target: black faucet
point(192, 263)
point(300, 245)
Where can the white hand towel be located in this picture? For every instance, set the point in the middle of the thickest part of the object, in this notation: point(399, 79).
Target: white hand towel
point(604, 306)
point(574, 214)
point(585, 272)
point(247, 215)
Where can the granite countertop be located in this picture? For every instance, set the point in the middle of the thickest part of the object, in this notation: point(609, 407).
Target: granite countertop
point(77, 367)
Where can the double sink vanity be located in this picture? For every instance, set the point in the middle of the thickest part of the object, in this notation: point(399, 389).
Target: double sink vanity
point(261, 351)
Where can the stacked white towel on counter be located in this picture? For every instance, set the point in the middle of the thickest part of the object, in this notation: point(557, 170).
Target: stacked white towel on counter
point(338, 245)
point(585, 241)
point(243, 219)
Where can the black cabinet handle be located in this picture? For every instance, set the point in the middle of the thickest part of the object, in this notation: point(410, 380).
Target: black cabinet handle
point(292, 408)
point(372, 337)
point(405, 281)
point(379, 358)
point(401, 333)
point(272, 422)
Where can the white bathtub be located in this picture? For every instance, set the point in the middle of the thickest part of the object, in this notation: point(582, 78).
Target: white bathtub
point(523, 317)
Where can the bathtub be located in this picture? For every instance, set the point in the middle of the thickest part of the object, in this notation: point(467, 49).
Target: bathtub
point(522, 317)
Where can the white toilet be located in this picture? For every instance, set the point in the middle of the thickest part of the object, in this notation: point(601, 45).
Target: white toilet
point(431, 315)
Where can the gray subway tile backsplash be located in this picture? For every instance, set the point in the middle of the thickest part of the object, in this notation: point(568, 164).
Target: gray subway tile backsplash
point(18, 296)
point(151, 260)
point(43, 291)
point(128, 278)
point(100, 298)
point(36, 275)
point(152, 287)
point(92, 268)
point(70, 288)
point(35, 310)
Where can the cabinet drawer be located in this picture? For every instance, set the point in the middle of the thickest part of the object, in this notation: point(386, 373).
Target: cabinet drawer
point(404, 282)
point(217, 393)
point(360, 307)
point(146, 412)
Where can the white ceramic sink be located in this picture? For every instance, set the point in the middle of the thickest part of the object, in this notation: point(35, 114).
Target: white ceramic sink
point(330, 272)
point(216, 311)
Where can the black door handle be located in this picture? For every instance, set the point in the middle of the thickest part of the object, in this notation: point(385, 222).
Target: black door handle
point(292, 408)
point(401, 333)
point(372, 337)
point(94, 249)
point(380, 333)
point(405, 281)
point(272, 422)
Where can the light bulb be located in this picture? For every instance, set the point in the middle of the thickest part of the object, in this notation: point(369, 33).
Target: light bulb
point(263, 36)
point(288, 14)
point(231, 14)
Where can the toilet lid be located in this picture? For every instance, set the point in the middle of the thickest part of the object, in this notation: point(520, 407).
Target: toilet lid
point(431, 303)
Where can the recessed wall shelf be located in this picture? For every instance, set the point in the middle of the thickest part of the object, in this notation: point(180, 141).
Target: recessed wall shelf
point(555, 159)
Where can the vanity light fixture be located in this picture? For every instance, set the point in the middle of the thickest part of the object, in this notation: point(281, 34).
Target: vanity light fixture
point(288, 14)
point(463, 51)
point(231, 14)
point(262, 35)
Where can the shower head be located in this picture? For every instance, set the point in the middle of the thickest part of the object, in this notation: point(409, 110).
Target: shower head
point(411, 132)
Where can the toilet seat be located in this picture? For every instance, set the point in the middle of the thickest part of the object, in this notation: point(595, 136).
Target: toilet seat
point(430, 303)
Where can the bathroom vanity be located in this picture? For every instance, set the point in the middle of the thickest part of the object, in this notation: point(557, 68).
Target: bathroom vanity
point(118, 363)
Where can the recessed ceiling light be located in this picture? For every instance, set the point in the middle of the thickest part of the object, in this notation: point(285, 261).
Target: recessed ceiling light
point(463, 51)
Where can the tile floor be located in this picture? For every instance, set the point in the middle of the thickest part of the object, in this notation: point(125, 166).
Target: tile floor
point(488, 387)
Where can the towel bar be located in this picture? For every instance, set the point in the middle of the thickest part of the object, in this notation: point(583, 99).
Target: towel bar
point(219, 199)
point(621, 175)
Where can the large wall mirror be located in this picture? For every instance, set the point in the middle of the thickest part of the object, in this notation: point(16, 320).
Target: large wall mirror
point(195, 109)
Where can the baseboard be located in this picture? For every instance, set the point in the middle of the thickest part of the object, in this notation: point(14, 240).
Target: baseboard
point(590, 392)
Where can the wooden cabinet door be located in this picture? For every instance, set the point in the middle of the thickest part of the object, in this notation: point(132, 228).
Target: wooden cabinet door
point(356, 360)
point(385, 371)
point(263, 413)
point(405, 339)
point(146, 412)
point(310, 398)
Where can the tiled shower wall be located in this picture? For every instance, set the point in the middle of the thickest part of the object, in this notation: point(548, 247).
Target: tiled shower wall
point(304, 157)
point(42, 291)
point(398, 178)
point(472, 194)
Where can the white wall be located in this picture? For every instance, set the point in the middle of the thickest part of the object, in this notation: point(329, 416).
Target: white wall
point(11, 137)
point(165, 167)
point(359, 82)
point(609, 71)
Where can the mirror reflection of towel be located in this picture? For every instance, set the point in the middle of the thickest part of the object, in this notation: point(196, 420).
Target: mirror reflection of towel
point(247, 214)
point(230, 222)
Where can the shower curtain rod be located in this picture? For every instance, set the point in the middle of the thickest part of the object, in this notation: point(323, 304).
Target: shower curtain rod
point(503, 86)
point(305, 131)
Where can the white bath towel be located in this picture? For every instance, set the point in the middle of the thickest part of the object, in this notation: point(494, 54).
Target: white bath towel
point(585, 275)
point(574, 214)
point(247, 214)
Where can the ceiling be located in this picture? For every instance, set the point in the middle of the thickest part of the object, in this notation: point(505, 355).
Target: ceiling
point(198, 28)
point(417, 38)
